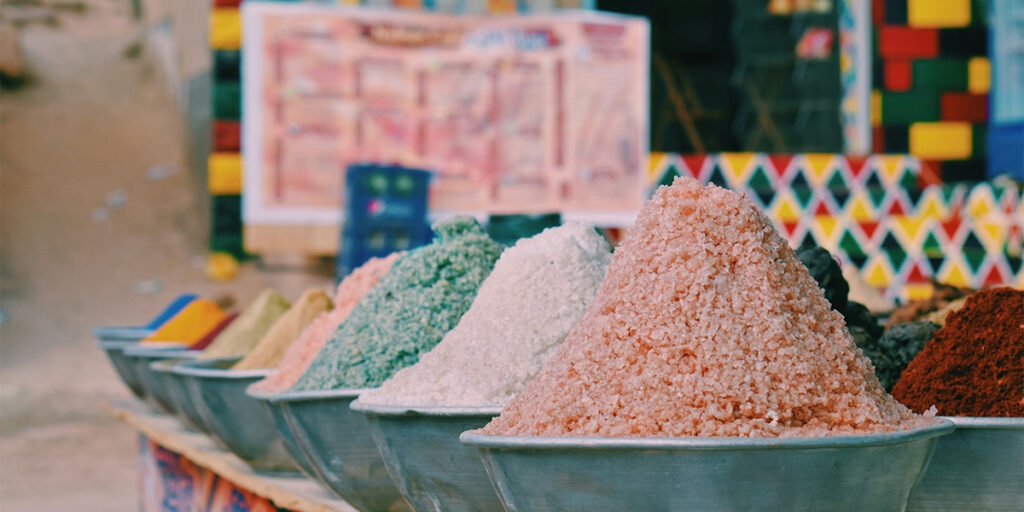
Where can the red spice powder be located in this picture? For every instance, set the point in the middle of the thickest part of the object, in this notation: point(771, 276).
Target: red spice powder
point(975, 364)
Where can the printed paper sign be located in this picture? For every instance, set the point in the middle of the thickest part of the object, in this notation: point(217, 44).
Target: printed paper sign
point(517, 114)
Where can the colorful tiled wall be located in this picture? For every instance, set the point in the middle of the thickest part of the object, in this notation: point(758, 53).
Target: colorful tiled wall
point(931, 82)
point(224, 165)
point(878, 213)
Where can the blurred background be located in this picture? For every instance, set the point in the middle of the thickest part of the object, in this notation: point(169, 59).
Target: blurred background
point(890, 132)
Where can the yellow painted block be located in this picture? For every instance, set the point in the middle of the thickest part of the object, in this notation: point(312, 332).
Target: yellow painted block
point(224, 173)
point(876, 107)
point(225, 28)
point(979, 75)
point(941, 141)
point(938, 13)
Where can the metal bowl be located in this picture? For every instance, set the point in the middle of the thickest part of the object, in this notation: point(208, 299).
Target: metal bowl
point(422, 452)
point(141, 355)
point(125, 370)
point(337, 441)
point(177, 392)
point(236, 421)
point(284, 431)
point(835, 473)
point(979, 467)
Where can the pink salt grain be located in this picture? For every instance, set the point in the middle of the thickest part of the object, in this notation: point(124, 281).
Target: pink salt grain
point(313, 338)
point(706, 324)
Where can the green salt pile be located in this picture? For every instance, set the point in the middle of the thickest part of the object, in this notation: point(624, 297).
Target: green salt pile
point(408, 312)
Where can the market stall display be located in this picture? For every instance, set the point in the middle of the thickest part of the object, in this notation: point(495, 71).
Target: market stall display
point(971, 371)
point(536, 293)
point(420, 299)
point(241, 335)
point(706, 325)
point(272, 346)
point(313, 338)
point(413, 306)
point(237, 422)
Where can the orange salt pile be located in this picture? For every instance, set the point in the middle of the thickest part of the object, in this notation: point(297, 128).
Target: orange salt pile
point(313, 338)
point(706, 324)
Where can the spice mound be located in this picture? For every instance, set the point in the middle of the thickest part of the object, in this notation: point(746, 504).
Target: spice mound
point(422, 298)
point(975, 364)
point(706, 324)
point(536, 293)
point(315, 335)
point(241, 335)
point(896, 348)
point(271, 348)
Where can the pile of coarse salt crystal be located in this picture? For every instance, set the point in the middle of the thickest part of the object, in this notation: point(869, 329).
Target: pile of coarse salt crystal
point(706, 324)
point(536, 293)
point(313, 338)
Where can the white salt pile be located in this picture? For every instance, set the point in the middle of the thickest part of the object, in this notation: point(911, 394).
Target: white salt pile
point(536, 293)
point(706, 324)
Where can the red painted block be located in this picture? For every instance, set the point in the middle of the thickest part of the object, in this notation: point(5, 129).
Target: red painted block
point(227, 3)
point(878, 139)
point(877, 12)
point(898, 75)
point(897, 42)
point(964, 106)
point(227, 136)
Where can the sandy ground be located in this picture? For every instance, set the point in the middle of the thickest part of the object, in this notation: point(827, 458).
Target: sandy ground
point(90, 234)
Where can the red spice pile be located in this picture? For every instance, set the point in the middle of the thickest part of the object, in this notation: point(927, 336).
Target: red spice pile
point(975, 364)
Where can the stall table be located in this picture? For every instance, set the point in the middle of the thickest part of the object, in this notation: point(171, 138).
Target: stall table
point(182, 470)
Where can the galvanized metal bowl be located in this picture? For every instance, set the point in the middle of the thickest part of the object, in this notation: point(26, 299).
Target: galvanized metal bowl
point(423, 455)
point(979, 467)
point(113, 341)
point(141, 355)
point(337, 441)
point(177, 392)
point(836, 473)
point(284, 431)
point(238, 422)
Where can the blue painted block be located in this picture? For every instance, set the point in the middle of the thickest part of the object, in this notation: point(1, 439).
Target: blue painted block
point(1006, 150)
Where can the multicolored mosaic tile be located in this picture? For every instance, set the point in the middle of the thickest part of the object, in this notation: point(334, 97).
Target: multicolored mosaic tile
point(899, 228)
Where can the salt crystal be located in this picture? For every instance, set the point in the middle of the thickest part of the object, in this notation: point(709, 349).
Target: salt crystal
point(536, 293)
point(703, 265)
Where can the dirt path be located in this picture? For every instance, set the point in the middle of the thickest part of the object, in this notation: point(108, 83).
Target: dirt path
point(100, 224)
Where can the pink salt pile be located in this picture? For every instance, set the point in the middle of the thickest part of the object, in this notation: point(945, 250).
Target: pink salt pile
point(706, 324)
point(305, 348)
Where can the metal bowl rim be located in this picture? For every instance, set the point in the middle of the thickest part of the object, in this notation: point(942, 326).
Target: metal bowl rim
point(150, 351)
point(166, 365)
point(372, 409)
point(978, 423)
point(116, 345)
point(318, 394)
point(198, 368)
point(471, 437)
point(121, 333)
point(258, 395)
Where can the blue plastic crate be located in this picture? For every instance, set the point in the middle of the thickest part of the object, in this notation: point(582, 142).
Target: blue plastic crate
point(386, 211)
point(1006, 150)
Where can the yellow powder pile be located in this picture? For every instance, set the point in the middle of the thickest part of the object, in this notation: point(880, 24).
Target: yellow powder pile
point(240, 336)
point(269, 351)
point(190, 324)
